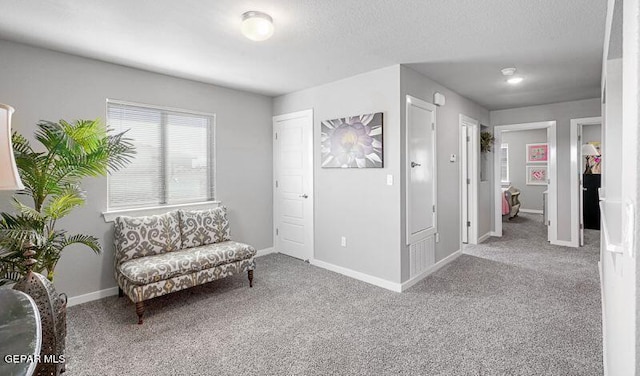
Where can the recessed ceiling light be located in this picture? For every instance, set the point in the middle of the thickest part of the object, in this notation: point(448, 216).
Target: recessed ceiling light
point(257, 26)
point(508, 71)
point(515, 80)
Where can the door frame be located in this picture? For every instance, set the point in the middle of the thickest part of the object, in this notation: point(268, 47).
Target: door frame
point(469, 133)
point(311, 165)
point(576, 177)
point(552, 174)
point(410, 239)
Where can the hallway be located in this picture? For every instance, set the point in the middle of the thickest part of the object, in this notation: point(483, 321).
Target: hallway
point(557, 286)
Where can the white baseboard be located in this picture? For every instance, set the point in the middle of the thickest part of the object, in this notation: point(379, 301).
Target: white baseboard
point(266, 251)
point(75, 300)
point(563, 243)
point(432, 269)
point(358, 275)
point(494, 233)
point(532, 211)
point(484, 237)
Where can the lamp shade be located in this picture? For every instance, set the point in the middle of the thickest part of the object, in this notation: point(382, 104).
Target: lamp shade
point(9, 178)
point(589, 149)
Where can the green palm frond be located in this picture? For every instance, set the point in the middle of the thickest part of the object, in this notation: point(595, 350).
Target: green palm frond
point(9, 274)
point(121, 150)
point(87, 240)
point(84, 134)
point(26, 211)
point(52, 179)
point(62, 203)
point(20, 144)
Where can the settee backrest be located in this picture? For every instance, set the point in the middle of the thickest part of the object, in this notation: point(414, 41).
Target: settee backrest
point(202, 227)
point(155, 234)
point(146, 236)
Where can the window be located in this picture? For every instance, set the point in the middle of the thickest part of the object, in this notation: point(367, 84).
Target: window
point(504, 162)
point(174, 161)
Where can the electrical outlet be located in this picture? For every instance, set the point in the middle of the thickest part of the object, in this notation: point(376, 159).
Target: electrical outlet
point(343, 241)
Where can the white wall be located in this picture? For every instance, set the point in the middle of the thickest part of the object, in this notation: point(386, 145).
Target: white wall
point(530, 195)
point(448, 173)
point(356, 203)
point(41, 84)
point(618, 269)
point(562, 113)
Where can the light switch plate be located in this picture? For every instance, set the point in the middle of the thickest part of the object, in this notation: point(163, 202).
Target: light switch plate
point(453, 158)
point(389, 179)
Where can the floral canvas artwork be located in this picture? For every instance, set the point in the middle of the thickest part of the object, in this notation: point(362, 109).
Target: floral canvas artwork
point(537, 153)
point(536, 175)
point(352, 142)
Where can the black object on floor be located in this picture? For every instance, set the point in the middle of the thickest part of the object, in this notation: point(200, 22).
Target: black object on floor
point(590, 206)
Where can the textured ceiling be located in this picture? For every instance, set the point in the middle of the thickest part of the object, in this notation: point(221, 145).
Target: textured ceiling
point(462, 44)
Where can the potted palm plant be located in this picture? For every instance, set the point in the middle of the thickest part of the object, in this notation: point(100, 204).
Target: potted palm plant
point(486, 141)
point(72, 151)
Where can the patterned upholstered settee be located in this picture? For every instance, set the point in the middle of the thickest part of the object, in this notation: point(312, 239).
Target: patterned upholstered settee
point(159, 254)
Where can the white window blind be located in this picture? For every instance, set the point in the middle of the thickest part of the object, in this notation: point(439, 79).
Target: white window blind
point(174, 161)
point(504, 162)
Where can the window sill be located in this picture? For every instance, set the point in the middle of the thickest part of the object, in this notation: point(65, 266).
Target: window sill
point(110, 215)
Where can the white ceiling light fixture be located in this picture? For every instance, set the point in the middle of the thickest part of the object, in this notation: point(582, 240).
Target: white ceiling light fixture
point(509, 72)
point(257, 26)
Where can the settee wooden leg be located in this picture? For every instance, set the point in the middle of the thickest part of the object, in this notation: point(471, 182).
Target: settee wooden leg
point(140, 311)
point(250, 273)
point(120, 293)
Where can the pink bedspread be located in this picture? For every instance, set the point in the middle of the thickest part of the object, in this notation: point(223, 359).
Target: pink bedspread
point(505, 205)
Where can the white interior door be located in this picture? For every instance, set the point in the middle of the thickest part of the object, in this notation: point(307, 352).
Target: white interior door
point(421, 169)
point(293, 184)
point(469, 165)
point(464, 181)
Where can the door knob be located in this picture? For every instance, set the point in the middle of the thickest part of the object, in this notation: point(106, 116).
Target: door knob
point(414, 164)
point(304, 196)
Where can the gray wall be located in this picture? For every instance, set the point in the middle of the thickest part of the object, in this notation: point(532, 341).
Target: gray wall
point(356, 203)
point(591, 133)
point(530, 195)
point(562, 113)
point(41, 84)
point(448, 173)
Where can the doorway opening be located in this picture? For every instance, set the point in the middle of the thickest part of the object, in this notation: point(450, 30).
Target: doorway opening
point(586, 138)
point(527, 187)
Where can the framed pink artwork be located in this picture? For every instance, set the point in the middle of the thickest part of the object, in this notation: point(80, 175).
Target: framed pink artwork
point(536, 175)
point(537, 153)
